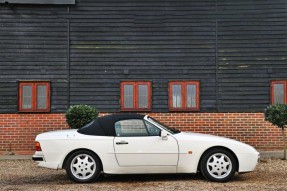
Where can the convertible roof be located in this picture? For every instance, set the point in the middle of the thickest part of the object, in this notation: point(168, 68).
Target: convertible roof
point(104, 126)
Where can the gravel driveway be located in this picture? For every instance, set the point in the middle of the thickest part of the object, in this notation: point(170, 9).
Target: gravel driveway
point(25, 175)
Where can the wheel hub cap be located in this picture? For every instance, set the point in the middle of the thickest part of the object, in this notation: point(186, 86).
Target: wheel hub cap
point(83, 166)
point(219, 165)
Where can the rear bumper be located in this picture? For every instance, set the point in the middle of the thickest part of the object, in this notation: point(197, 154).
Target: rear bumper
point(42, 162)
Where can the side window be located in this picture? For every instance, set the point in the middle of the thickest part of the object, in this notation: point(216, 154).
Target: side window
point(152, 129)
point(130, 128)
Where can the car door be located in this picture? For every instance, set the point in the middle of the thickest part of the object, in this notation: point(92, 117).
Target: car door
point(138, 143)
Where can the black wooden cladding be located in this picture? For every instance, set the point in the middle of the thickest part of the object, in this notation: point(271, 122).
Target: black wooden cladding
point(252, 39)
point(33, 46)
point(234, 48)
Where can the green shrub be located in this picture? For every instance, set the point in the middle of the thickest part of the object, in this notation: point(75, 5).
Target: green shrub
point(277, 115)
point(79, 115)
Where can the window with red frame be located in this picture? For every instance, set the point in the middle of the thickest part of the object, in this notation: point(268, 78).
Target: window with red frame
point(278, 92)
point(34, 96)
point(135, 96)
point(184, 96)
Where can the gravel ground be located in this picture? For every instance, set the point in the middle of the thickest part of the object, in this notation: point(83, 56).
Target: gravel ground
point(25, 175)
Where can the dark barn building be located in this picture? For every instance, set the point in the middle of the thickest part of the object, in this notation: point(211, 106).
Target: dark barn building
point(207, 66)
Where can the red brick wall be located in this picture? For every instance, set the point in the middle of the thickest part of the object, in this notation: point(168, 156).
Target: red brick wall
point(250, 128)
point(20, 130)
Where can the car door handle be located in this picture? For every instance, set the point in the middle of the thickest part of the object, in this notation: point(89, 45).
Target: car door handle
point(122, 143)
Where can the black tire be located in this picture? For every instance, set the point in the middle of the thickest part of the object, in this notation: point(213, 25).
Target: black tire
point(83, 167)
point(218, 165)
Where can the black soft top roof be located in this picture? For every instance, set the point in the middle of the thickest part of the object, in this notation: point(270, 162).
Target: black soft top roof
point(104, 126)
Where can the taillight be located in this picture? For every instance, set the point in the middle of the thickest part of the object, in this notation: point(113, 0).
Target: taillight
point(38, 146)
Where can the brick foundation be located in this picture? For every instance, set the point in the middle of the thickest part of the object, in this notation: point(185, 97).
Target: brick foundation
point(18, 131)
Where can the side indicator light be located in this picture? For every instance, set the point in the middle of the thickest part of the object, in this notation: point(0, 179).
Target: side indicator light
point(190, 152)
point(38, 146)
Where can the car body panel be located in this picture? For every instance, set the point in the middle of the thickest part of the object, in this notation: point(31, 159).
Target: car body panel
point(157, 152)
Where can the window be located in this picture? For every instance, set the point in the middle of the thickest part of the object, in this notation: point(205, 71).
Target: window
point(278, 92)
point(135, 96)
point(152, 129)
point(34, 96)
point(135, 127)
point(131, 127)
point(184, 96)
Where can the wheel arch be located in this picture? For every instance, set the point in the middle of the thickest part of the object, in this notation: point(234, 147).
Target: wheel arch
point(80, 149)
point(218, 147)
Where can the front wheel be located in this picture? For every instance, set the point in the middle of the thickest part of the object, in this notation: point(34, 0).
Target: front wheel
point(83, 166)
point(218, 165)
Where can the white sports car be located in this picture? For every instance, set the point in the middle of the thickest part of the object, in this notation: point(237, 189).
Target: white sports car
point(138, 144)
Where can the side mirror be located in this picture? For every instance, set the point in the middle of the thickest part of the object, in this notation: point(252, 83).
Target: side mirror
point(163, 135)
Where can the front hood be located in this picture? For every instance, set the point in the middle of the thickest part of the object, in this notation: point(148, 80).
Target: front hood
point(202, 136)
point(212, 140)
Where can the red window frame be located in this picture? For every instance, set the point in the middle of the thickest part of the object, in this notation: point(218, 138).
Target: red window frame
point(183, 94)
point(284, 82)
point(136, 96)
point(34, 96)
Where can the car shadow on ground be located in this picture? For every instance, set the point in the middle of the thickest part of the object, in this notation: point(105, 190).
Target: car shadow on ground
point(157, 177)
point(62, 179)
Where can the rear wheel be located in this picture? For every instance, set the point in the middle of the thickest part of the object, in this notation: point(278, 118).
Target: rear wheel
point(83, 167)
point(218, 165)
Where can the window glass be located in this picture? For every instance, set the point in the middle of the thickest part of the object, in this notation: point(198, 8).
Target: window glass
point(191, 95)
point(152, 129)
point(143, 96)
point(27, 97)
point(41, 97)
point(176, 96)
point(130, 128)
point(128, 96)
point(279, 93)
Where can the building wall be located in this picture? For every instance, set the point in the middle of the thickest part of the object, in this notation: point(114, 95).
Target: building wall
point(18, 131)
point(234, 48)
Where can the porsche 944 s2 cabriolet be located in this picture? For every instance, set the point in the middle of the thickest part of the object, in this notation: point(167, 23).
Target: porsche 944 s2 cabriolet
point(138, 144)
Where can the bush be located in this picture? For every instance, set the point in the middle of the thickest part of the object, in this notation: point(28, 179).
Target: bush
point(79, 115)
point(277, 115)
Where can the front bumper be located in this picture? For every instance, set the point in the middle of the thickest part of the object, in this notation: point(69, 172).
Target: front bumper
point(248, 161)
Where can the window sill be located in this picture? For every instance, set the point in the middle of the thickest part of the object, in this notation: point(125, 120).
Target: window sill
point(135, 110)
point(184, 110)
point(41, 2)
point(35, 111)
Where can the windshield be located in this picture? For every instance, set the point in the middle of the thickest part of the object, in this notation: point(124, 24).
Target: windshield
point(170, 130)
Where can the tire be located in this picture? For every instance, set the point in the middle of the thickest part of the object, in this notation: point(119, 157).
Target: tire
point(218, 165)
point(83, 167)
